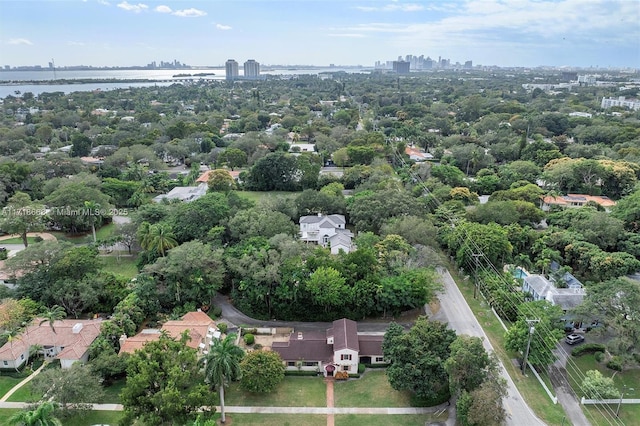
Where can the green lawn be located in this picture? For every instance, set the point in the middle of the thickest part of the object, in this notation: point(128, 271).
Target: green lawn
point(276, 419)
point(112, 393)
point(104, 232)
point(5, 415)
point(292, 392)
point(529, 387)
point(626, 381)
point(94, 418)
point(17, 240)
point(6, 383)
point(370, 390)
point(257, 196)
point(120, 265)
point(24, 395)
point(388, 420)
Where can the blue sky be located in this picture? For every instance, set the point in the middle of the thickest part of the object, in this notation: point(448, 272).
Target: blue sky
point(604, 33)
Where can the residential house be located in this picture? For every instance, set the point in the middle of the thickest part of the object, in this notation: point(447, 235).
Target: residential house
point(541, 288)
point(328, 231)
point(183, 193)
point(202, 330)
point(204, 177)
point(68, 340)
point(417, 154)
point(576, 200)
point(340, 348)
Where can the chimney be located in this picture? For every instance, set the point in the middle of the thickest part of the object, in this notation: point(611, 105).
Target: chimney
point(123, 339)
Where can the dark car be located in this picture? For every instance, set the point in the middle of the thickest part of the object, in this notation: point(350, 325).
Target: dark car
point(574, 338)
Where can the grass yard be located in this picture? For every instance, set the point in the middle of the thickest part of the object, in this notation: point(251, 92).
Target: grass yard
point(24, 395)
point(112, 393)
point(257, 196)
point(6, 413)
point(292, 392)
point(94, 418)
point(276, 419)
point(6, 383)
point(120, 265)
point(388, 420)
point(528, 386)
point(372, 389)
point(626, 381)
point(17, 240)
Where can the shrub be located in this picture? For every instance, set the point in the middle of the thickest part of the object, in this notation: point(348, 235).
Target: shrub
point(222, 327)
point(4, 254)
point(615, 364)
point(216, 312)
point(38, 239)
point(587, 348)
point(300, 373)
point(249, 339)
point(257, 346)
point(341, 375)
point(599, 356)
point(361, 368)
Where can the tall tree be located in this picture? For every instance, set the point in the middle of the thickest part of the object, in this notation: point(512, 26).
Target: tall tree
point(165, 384)
point(22, 216)
point(262, 371)
point(222, 365)
point(157, 238)
point(75, 388)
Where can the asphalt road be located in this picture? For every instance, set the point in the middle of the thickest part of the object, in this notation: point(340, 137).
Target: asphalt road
point(454, 307)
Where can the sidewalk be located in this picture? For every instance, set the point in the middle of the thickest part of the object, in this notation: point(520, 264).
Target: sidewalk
point(22, 383)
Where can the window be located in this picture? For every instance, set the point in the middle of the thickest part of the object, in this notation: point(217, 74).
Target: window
point(22, 356)
point(310, 364)
point(345, 357)
point(5, 362)
point(291, 364)
point(345, 368)
point(379, 359)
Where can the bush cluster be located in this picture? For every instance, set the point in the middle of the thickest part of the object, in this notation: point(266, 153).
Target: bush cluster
point(587, 348)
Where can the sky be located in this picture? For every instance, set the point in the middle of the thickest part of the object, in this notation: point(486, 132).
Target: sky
point(574, 33)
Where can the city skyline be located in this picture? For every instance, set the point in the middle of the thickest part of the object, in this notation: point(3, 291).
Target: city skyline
point(576, 33)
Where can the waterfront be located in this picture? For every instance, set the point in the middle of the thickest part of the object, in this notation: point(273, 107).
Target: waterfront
point(16, 82)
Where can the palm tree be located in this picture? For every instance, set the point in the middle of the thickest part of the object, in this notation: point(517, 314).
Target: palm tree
point(94, 210)
point(161, 238)
point(222, 365)
point(43, 415)
point(54, 314)
point(11, 335)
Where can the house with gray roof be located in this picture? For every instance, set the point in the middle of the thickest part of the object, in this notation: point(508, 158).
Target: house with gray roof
point(328, 231)
point(183, 193)
point(541, 288)
point(340, 348)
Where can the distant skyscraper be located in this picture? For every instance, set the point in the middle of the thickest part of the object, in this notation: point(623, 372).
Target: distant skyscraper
point(251, 69)
point(231, 69)
point(401, 67)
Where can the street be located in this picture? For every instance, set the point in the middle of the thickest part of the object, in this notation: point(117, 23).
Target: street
point(454, 307)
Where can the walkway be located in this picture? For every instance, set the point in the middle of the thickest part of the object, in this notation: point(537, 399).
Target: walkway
point(330, 417)
point(22, 383)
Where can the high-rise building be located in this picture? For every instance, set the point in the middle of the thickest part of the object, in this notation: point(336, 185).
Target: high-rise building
point(251, 69)
point(231, 69)
point(401, 67)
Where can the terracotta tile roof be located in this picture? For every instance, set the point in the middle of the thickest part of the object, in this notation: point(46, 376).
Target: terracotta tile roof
point(75, 336)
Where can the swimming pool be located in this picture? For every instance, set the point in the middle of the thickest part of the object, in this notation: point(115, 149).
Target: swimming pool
point(520, 273)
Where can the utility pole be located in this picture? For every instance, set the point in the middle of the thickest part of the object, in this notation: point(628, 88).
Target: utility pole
point(526, 353)
point(619, 402)
point(475, 289)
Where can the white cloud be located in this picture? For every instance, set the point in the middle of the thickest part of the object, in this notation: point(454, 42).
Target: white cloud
point(393, 7)
point(75, 43)
point(20, 41)
point(136, 8)
point(223, 27)
point(190, 13)
point(104, 2)
point(347, 35)
point(163, 9)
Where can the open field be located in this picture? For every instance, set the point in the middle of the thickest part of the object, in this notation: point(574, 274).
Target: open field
point(17, 240)
point(120, 265)
point(257, 196)
point(292, 392)
point(6, 383)
point(388, 420)
point(276, 419)
point(372, 389)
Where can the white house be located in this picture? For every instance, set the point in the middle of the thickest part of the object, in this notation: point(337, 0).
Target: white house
point(327, 231)
point(183, 193)
point(67, 340)
point(341, 348)
point(542, 289)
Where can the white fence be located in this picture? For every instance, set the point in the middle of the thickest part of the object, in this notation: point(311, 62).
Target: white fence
point(585, 401)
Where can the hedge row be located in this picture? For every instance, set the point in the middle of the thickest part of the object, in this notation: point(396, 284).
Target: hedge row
point(588, 348)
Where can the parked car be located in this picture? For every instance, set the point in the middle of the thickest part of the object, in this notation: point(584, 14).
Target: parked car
point(574, 338)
